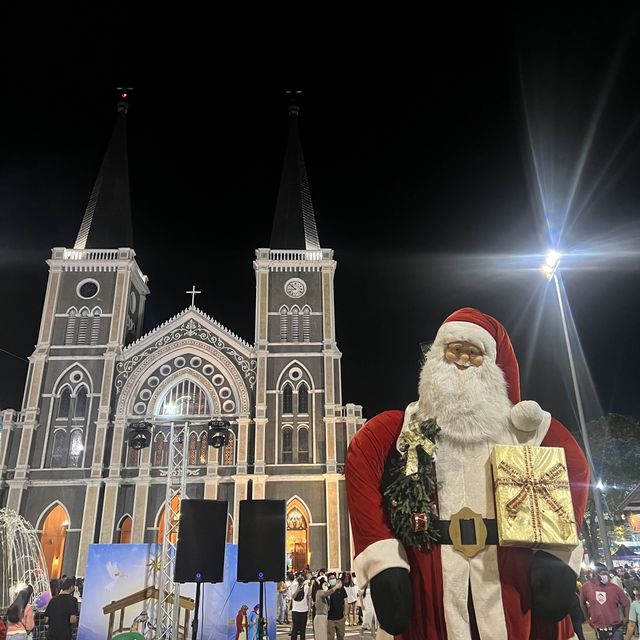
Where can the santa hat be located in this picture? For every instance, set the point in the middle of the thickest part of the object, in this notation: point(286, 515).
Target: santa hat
point(482, 330)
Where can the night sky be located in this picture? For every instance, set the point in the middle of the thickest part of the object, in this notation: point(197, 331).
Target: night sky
point(421, 176)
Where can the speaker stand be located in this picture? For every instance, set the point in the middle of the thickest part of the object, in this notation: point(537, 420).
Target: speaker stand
point(194, 624)
point(261, 614)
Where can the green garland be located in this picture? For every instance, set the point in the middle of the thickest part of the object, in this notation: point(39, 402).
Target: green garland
point(408, 496)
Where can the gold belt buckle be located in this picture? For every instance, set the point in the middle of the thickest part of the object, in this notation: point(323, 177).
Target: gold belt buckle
point(455, 532)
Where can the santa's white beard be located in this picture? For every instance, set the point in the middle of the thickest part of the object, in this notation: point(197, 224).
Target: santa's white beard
point(469, 406)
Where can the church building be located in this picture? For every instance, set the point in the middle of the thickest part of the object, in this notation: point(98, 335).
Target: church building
point(65, 461)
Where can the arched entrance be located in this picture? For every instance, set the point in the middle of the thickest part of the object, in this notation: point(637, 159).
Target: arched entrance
point(298, 551)
point(126, 524)
point(53, 539)
point(175, 508)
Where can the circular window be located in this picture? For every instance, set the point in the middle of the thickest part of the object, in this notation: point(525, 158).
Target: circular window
point(195, 362)
point(218, 379)
point(208, 369)
point(153, 381)
point(295, 373)
point(76, 376)
point(145, 394)
point(140, 408)
point(88, 289)
point(165, 370)
point(225, 393)
point(179, 362)
point(133, 302)
point(229, 406)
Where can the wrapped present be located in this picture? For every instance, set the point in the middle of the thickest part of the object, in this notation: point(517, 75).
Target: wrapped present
point(533, 500)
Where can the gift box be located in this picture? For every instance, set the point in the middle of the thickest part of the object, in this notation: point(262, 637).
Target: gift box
point(533, 500)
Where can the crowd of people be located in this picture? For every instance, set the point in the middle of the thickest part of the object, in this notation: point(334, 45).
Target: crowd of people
point(609, 601)
point(330, 601)
point(60, 616)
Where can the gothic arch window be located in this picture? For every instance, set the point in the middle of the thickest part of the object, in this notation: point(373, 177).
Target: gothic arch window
point(133, 456)
point(64, 404)
point(298, 551)
point(303, 398)
point(124, 529)
point(287, 444)
point(229, 451)
point(193, 448)
point(158, 451)
point(70, 334)
point(295, 324)
point(95, 325)
point(287, 399)
point(83, 326)
point(186, 398)
point(204, 449)
point(284, 323)
point(303, 445)
point(306, 323)
point(80, 410)
point(76, 447)
point(59, 448)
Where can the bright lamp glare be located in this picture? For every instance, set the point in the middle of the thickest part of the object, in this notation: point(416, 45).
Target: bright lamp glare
point(553, 257)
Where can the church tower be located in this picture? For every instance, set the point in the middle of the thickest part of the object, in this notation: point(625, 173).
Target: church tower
point(94, 306)
point(301, 427)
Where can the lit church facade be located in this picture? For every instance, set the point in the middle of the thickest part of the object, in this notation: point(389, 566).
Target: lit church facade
point(65, 462)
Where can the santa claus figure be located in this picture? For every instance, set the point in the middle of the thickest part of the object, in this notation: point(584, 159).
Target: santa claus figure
point(470, 385)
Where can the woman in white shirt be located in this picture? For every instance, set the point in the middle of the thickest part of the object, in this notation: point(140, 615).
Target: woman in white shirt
point(299, 608)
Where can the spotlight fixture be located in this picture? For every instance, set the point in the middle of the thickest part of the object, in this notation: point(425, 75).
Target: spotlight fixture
point(218, 433)
point(139, 435)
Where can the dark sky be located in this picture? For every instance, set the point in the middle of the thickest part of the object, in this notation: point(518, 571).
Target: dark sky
point(421, 175)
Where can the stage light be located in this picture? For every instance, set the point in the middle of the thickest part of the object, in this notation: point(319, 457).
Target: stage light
point(551, 263)
point(218, 433)
point(139, 435)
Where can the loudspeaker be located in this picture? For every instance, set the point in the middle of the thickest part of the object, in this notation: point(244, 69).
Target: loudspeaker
point(201, 541)
point(261, 540)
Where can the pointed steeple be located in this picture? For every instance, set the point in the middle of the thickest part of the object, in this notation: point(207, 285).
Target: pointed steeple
point(107, 219)
point(294, 223)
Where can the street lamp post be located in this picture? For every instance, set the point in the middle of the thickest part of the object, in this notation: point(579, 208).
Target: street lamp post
point(550, 268)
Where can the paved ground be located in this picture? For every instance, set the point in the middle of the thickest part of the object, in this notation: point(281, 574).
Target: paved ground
point(353, 633)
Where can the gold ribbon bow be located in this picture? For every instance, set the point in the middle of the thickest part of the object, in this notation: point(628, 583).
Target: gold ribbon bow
point(413, 437)
point(534, 488)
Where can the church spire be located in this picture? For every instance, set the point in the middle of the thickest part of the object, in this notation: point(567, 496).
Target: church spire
point(294, 223)
point(107, 219)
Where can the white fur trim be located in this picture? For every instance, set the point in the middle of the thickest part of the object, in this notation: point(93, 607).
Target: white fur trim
point(381, 555)
point(468, 332)
point(572, 557)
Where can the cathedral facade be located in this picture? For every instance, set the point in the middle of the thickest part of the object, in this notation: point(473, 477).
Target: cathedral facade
point(65, 461)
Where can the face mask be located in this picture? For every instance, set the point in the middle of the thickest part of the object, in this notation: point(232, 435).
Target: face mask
point(604, 579)
point(332, 582)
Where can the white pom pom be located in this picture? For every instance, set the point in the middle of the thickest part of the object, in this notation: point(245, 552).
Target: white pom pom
point(527, 415)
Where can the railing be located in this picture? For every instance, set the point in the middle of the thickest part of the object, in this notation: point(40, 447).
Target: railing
point(90, 254)
point(277, 254)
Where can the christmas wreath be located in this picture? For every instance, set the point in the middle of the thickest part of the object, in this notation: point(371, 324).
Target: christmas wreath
point(411, 486)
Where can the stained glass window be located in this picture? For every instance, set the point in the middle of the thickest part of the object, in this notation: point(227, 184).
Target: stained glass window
point(76, 448)
point(303, 399)
point(81, 403)
point(287, 445)
point(204, 449)
point(227, 457)
point(64, 404)
point(303, 445)
point(193, 445)
point(287, 399)
point(59, 448)
point(158, 451)
point(186, 398)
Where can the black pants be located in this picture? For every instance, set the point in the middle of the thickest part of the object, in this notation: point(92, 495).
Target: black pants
point(298, 624)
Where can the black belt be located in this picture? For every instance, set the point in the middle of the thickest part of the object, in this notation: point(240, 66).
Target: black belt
point(467, 531)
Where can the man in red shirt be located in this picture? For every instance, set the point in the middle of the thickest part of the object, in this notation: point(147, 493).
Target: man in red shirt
point(601, 600)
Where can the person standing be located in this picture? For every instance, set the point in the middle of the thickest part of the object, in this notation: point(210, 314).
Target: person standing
point(281, 604)
point(62, 612)
point(321, 602)
point(599, 600)
point(242, 623)
point(20, 616)
point(634, 615)
point(254, 617)
point(335, 616)
point(299, 608)
point(352, 598)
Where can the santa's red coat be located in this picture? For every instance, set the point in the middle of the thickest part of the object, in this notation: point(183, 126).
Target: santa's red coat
point(366, 458)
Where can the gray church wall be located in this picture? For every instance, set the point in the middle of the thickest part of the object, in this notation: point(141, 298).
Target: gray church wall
point(68, 296)
point(124, 505)
point(341, 441)
point(345, 551)
point(311, 492)
point(14, 447)
point(318, 546)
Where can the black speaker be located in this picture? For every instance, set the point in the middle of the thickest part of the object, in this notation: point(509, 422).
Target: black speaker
point(201, 541)
point(261, 540)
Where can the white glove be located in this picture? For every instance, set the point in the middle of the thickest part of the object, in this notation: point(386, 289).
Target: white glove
point(527, 415)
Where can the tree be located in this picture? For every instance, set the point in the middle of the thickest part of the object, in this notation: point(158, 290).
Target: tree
point(615, 449)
